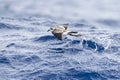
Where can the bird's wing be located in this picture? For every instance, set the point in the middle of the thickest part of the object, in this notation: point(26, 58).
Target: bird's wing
point(65, 27)
point(58, 32)
point(58, 35)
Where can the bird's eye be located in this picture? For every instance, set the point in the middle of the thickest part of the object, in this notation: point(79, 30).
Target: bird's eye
point(51, 28)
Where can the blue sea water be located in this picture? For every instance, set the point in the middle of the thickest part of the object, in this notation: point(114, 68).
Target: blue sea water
point(29, 52)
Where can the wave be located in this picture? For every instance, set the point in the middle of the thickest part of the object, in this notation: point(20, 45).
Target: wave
point(71, 74)
point(75, 46)
point(4, 60)
point(9, 27)
point(5, 26)
point(109, 22)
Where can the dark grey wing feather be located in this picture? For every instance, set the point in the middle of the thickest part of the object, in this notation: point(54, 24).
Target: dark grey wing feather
point(58, 35)
point(65, 27)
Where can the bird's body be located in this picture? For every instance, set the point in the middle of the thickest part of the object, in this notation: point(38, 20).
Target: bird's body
point(59, 31)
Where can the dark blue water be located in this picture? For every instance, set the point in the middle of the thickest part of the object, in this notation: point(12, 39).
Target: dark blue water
point(29, 52)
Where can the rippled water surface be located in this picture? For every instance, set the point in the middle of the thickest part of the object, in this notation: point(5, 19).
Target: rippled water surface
point(29, 52)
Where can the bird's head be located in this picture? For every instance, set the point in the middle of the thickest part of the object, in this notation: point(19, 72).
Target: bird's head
point(51, 29)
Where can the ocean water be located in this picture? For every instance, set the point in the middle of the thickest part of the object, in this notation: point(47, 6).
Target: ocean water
point(29, 52)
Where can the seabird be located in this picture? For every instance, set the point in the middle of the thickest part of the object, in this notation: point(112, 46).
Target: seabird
point(59, 31)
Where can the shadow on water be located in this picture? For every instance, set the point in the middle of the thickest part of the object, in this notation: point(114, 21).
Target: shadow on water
point(44, 38)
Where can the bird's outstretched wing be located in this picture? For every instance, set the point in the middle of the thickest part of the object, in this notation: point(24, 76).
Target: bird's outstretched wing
point(58, 35)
